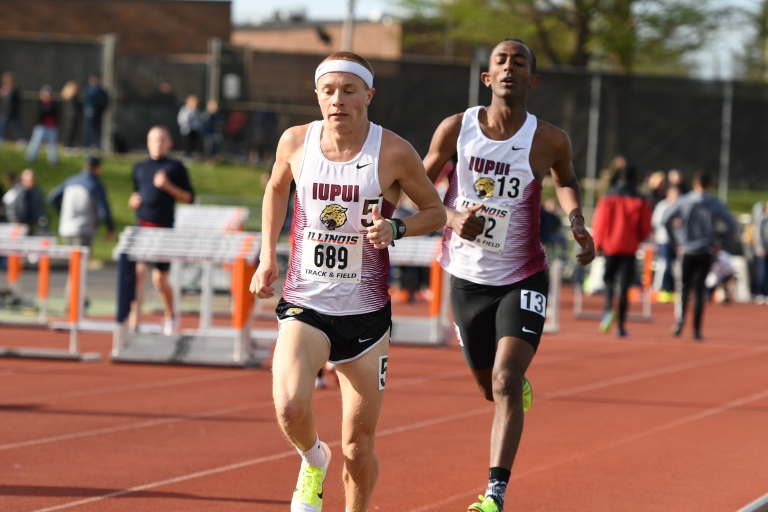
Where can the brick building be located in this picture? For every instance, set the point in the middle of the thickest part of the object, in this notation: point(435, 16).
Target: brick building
point(380, 40)
point(144, 27)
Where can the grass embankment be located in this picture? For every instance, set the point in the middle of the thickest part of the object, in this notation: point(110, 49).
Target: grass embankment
point(237, 181)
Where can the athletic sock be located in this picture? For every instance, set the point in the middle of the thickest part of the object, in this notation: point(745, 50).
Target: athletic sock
point(498, 478)
point(315, 456)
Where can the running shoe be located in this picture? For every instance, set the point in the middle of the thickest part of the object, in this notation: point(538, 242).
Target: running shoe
point(605, 323)
point(666, 297)
point(677, 328)
point(527, 394)
point(486, 504)
point(308, 496)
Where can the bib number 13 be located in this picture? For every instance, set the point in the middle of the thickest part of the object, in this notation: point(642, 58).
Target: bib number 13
point(534, 302)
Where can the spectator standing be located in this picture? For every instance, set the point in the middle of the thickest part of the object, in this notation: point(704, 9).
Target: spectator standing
point(81, 202)
point(190, 125)
point(656, 188)
point(622, 221)
point(265, 136)
point(675, 179)
point(698, 212)
point(46, 129)
point(28, 202)
point(157, 183)
point(760, 229)
point(72, 111)
point(95, 101)
point(550, 233)
point(664, 248)
point(10, 108)
point(212, 131)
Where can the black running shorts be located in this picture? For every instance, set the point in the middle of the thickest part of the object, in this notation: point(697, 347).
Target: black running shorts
point(484, 314)
point(350, 336)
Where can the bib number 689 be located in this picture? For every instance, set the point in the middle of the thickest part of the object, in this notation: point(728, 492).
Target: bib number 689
point(328, 256)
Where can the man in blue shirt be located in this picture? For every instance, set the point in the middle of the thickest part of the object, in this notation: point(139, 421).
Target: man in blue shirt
point(158, 183)
point(690, 222)
point(81, 202)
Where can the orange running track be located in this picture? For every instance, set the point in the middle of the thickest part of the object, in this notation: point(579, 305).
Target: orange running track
point(651, 423)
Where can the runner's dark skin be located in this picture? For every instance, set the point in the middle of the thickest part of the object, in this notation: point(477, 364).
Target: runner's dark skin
point(510, 78)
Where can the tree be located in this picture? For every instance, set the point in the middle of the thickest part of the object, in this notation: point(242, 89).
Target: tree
point(754, 59)
point(622, 35)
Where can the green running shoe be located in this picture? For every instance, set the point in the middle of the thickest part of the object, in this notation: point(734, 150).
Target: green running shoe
point(308, 496)
point(527, 394)
point(486, 504)
point(605, 323)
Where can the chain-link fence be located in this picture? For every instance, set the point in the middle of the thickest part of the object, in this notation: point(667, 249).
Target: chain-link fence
point(658, 123)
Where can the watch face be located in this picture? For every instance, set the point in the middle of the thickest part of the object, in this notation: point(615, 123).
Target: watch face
point(401, 229)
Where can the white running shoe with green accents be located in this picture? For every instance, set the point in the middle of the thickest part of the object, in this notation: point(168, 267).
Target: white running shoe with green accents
point(308, 496)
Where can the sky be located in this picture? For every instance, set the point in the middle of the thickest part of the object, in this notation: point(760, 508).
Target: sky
point(715, 61)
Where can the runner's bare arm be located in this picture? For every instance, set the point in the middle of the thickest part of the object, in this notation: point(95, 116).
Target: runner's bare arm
point(568, 189)
point(442, 148)
point(274, 208)
point(401, 165)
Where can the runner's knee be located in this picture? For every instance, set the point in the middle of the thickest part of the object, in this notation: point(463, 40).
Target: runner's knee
point(508, 385)
point(159, 279)
point(358, 454)
point(291, 410)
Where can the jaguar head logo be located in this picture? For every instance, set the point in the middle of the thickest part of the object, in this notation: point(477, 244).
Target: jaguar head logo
point(333, 216)
point(484, 187)
point(293, 311)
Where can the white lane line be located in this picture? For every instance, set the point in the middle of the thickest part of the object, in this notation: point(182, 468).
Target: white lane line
point(128, 387)
point(656, 372)
point(196, 416)
point(759, 505)
point(132, 426)
point(661, 428)
point(422, 424)
point(259, 460)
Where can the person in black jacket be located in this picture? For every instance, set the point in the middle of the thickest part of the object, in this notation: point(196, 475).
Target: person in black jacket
point(10, 108)
point(46, 129)
point(73, 110)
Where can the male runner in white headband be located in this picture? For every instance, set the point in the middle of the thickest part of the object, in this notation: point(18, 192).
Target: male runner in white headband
point(335, 304)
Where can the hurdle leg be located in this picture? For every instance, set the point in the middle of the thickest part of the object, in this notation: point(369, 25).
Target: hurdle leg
point(553, 303)
point(14, 274)
point(175, 282)
point(242, 300)
point(74, 300)
point(44, 271)
point(436, 285)
point(206, 296)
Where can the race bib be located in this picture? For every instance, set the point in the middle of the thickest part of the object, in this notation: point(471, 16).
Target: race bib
point(330, 257)
point(495, 225)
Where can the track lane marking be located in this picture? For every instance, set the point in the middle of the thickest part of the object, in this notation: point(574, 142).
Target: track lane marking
point(759, 505)
point(464, 415)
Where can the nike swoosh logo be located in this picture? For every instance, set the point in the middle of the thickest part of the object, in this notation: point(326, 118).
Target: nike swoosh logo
point(361, 166)
point(530, 331)
point(363, 341)
point(516, 149)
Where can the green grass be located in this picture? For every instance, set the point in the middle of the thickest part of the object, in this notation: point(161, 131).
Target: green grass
point(239, 181)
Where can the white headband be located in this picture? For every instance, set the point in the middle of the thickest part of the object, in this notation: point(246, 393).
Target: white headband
point(344, 66)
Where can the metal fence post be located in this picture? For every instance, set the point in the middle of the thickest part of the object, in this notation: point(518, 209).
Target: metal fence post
point(214, 68)
point(592, 141)
point(480, 56)
point(725, 141)
point(108, 82)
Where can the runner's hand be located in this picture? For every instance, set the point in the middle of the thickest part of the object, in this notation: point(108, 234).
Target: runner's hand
point(468, 225)
point(161, 179)
point(381, 233)
point(134, 202)
point(584, 239)
point(265, 275)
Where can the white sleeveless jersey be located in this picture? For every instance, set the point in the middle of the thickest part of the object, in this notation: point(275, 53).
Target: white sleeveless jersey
point(334, 269)
point(497, 174)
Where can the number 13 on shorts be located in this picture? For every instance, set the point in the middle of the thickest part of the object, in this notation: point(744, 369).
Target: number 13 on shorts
point(534, 302)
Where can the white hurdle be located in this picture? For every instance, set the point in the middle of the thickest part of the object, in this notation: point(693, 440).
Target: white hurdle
point(436, 328)
point(206, 345)
point(45, 249)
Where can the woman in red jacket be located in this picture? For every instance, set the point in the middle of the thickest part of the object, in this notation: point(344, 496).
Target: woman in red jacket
point(622, 221)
